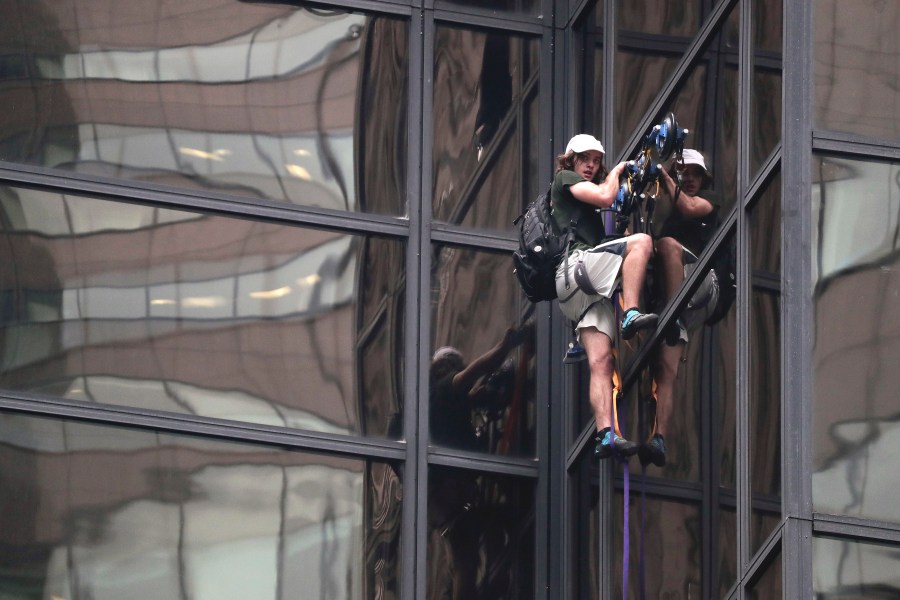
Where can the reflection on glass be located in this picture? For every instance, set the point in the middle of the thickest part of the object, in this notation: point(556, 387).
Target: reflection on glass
point(855, 241)
point(200, 314)
point(306, 106)
point(480, 536)
point(482, 392)
point(639, 76)
point(848, 569)
point(856, 67)
point(765, 116)
point(485, 111)
point(665, 525)
point(104, 512)
point(765, 362)
point(765, 113)
point(769, 584)
point(665, 17)
point(725, 568)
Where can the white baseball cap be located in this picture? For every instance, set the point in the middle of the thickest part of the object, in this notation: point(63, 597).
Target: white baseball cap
point(584, 142)
point(446, 352)
point(692, 157)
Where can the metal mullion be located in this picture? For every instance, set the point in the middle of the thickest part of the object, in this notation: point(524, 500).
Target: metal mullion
point(184, 424)
point(606, 487)
point(207, 202)
point(510, 24)
point(855, 145)
point(549, 506)
point(564, 508)
point(743, 298)
point(377, 6)
point(451, 234)
point(414, 498)
point(484, 463)
point(856, 528)
point(764, 558)
point(796, 308)
point(422, 343)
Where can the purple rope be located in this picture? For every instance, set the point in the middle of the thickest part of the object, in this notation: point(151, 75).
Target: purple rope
point(625, 541)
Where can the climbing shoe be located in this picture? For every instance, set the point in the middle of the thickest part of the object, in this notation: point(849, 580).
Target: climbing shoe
point(653, 451)
point(608, 443)
point(574, 353)
point(634, 320)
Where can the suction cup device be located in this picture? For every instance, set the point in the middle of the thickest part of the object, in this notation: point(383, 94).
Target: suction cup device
point(667, 138)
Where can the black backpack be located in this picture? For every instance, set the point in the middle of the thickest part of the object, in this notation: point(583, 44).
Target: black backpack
point(541, 246)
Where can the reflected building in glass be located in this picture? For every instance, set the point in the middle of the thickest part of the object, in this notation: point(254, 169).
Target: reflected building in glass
point(260, 335)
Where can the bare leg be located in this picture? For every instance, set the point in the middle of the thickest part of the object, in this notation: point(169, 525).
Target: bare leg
point(599, 352)
point(638, 249)
point(668, 359)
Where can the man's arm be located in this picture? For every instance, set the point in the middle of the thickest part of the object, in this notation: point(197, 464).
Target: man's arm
point(602, 194)
point(692, 207)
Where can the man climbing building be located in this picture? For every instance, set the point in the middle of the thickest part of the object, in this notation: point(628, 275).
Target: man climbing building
point(692, 213)
point(588, 276)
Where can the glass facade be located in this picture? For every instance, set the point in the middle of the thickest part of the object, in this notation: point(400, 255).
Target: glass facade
point(93, 511)
point(260, 335)
point(855, 209)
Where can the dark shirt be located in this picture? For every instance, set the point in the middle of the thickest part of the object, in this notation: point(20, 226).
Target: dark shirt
point(693, 234)
point(590, 229)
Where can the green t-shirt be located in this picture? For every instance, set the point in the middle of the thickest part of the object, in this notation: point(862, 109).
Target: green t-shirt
point(590, 229)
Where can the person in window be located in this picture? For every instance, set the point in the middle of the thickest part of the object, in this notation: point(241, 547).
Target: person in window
point(589, 275)
point(458, 387)
point(690, 222)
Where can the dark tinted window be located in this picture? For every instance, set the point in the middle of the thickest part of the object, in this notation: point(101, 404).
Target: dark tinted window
point(482, 386)
point(485, 126)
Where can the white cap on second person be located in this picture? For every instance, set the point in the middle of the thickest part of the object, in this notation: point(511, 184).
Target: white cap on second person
point(692, 157)
point(584, 142)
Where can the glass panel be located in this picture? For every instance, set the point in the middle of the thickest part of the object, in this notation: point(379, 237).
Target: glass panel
point(856, 281)
point(639, 76)
point(482, 79)
point(95, 512)
point(200, 314)
point(588, 87)
point(693, 380)
point(765, 361)
point(666, 17)
point(765, 114)
point(664, 526)
point(482, 368)
point(306, 106)
point(725, 558)
point(849, 570)
point(495, 7)
point(480, 536)
point(768, 586)
point(856, 67)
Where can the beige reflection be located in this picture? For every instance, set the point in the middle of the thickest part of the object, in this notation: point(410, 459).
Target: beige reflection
point(174, 517)
point(139, 309)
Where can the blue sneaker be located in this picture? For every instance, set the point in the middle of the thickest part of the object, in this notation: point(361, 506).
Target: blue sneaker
point(608, 443)
point(634, 320)
point(653, 451)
